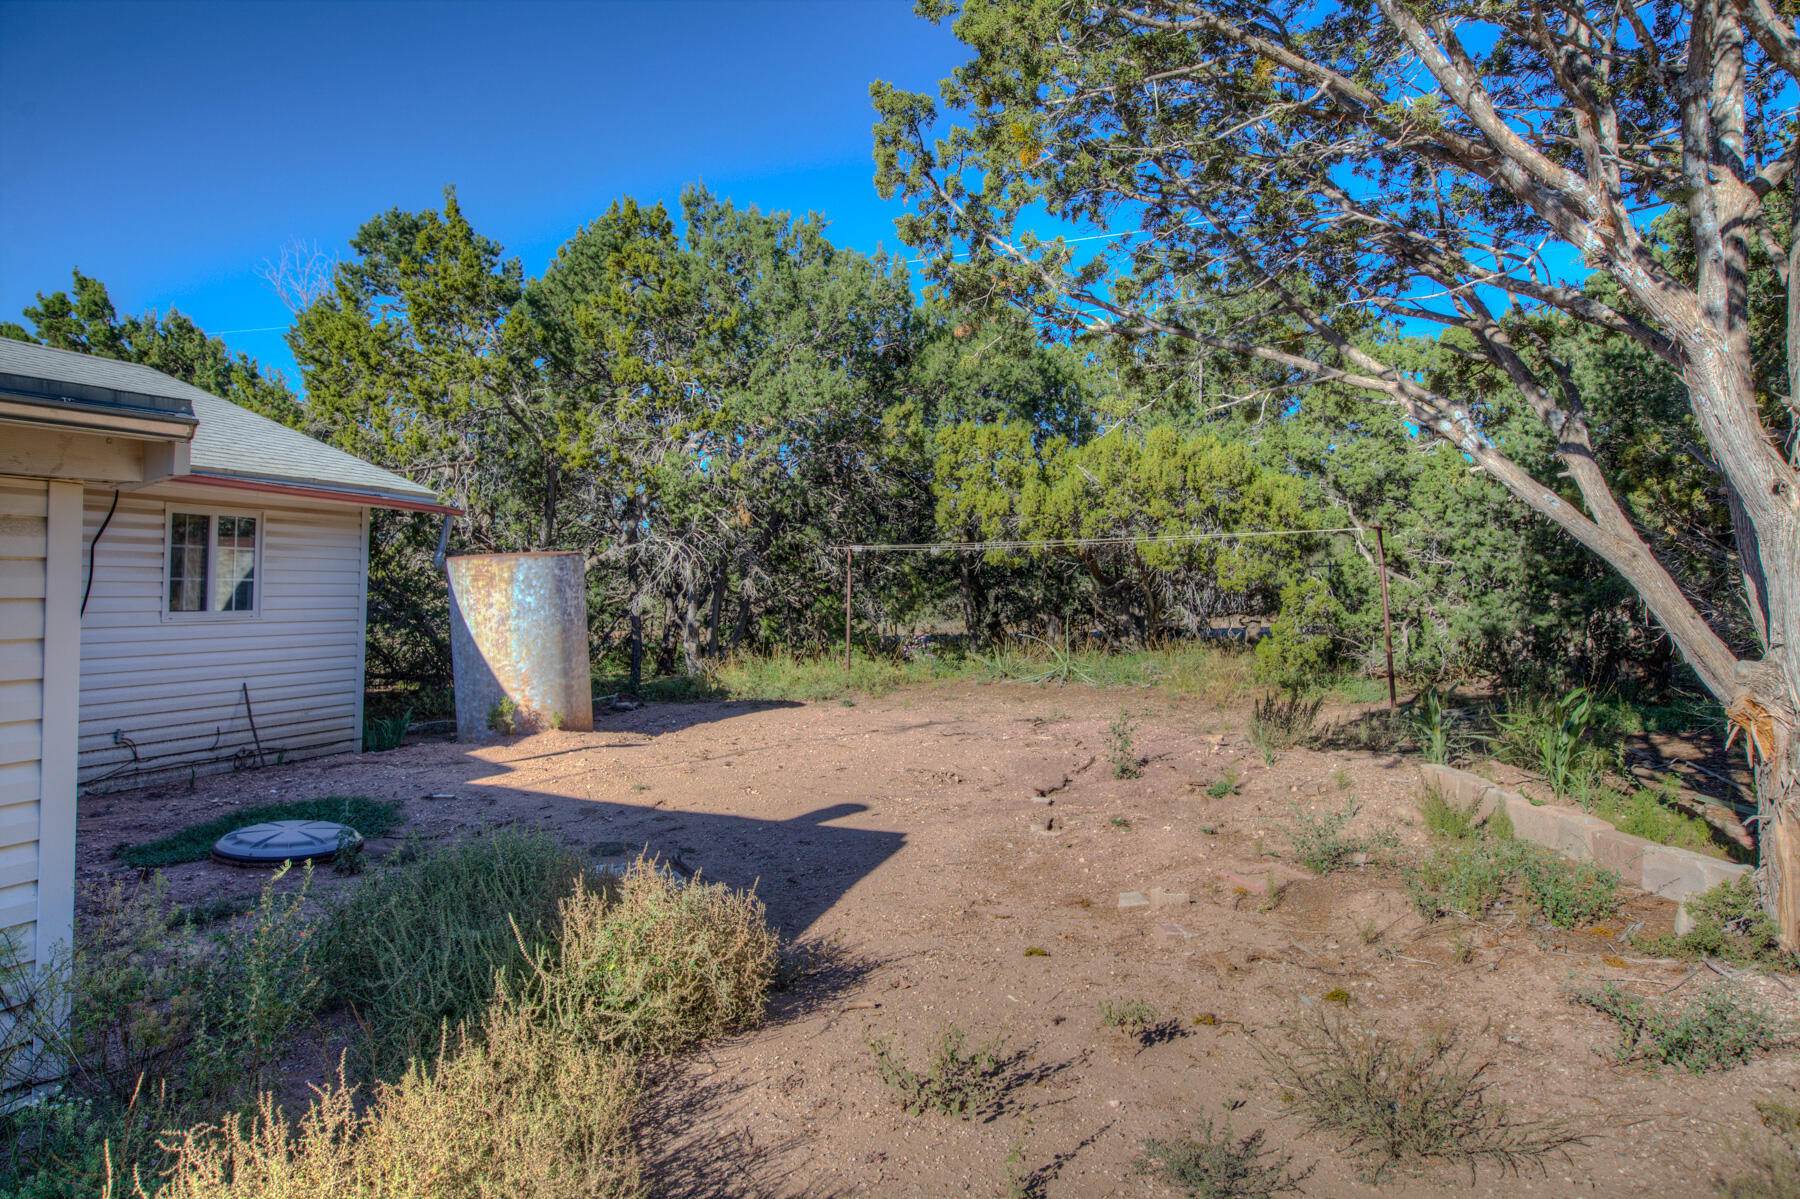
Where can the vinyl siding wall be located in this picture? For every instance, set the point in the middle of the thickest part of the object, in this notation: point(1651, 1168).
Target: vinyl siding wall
point(38, 526)
point(23, 507)
point(173, 690)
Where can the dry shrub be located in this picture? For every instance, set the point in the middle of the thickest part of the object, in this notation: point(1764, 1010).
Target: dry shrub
point(654, 964)
point(515, 1110)
point(1406, 1102)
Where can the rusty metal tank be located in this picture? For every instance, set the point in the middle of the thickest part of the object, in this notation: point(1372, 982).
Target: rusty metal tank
point(519, 643)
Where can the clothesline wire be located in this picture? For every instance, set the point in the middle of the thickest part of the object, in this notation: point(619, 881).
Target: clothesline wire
point(1072, 542)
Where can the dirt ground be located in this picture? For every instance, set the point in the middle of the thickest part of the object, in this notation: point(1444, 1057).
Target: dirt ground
point(904, 841)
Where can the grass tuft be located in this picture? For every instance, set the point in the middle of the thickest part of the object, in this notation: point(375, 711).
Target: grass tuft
point(370, 817)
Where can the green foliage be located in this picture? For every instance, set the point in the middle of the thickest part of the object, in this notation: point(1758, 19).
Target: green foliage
point(1728, 922)
point(503, 717)
point(969, 1084)
point(417, 947)
point(1722, 1028)
point(370, 817)
point(1445, 817)
point(252, 989)
point(1215, 1164)
point(1552, 739)
point(1567, 894)
point(1302, 650)
point(382, 733)
point(1277, 726)
point(652, 964)
point(1119, 749)
point(1319, 841)
point(1401, 1103)
point(1431, 727)
point(1220, 788)
point(1468, 877)
point(1652, 815)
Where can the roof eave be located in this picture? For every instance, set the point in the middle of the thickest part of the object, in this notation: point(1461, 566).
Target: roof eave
point(333, 492)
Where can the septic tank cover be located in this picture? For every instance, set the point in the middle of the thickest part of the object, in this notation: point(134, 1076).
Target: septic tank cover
point(277, 841)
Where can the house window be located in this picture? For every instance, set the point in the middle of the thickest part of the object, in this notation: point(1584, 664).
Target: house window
point(212, 561)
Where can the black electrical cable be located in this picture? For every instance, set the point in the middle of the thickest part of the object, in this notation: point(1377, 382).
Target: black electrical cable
point(94, 545)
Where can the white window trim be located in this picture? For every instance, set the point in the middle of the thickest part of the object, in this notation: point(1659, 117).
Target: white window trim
point(255, 611)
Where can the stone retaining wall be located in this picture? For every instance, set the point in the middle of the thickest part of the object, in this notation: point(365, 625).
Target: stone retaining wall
point(1676, 874)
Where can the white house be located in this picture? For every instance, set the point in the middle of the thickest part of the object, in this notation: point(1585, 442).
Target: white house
point(183, 587)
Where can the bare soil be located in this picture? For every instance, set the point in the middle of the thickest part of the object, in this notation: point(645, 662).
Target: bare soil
point(903, 843)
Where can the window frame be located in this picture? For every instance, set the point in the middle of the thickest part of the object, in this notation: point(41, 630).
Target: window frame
point(254, 612)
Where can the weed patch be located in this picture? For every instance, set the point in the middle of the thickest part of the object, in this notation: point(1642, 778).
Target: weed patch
point(413, 948)
point(1119, 748)
point(1320, 843)
point(370, 817)
point(1721, 1029)
point(1216, 1164)
point(970, 1084)
point(1729, 923)
point(1405, 1103)
point(1278, 725)
point(1773, 1158)
point(1468, 877)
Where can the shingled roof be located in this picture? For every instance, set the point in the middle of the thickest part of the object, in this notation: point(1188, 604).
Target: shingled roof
point(231, 444)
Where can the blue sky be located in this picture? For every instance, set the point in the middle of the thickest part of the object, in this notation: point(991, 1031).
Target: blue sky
point(169, 149)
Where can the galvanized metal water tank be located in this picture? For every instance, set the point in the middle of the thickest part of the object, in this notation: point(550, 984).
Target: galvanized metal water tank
point(519, 644)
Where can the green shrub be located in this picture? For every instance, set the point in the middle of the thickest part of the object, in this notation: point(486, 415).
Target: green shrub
point(1468, 877)
point(69, 1146)
point(370, 817)
point(413, 947)
point(507, 1108)
point(1728, 922)
point(956, 1081)
point(652, 964)
point(253, 989)
point(1567, 894)
point(1217, 1165)
point(126, 986)
point(1405, 1102)
point(1277, 726)
point(1721, 1029)
point(1463, 879)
